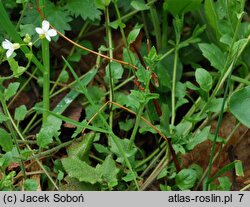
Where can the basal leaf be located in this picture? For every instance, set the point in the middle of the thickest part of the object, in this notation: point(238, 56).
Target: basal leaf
point(5, 140)
point(213, 53)
point(80, 170)
point(85, 9)
point(81, 149)
point(108, 171)
point(239, 105)
point(30, 185)
point(198, 138)
point(49, 130)
point(186, 178)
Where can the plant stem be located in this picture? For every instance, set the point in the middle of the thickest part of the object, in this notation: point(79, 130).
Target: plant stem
point(13, 134)
point(46, 72)
point(137, 123)
point(173, 92)
point(111, 81)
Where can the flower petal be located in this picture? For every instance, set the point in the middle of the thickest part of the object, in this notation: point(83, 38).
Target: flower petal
point(45, 25)
point(52, 32)
point(47, 37)
point(6, 44)
point(39, 30)
point(9, 53)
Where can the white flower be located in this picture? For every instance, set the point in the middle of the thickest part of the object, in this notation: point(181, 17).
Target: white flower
point(45, 31)
point(10, 47)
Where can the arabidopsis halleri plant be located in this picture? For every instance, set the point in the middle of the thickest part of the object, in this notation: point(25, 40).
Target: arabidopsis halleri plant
point(10, 47)
point(45, 31)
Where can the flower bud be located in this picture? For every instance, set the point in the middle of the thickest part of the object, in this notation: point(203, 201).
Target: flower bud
point(27, 39)
point(16, 46)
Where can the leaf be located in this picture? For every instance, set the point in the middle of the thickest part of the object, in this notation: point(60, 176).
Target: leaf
point(143, 75)
point(239, 105)
point(63, 77)
point(30, 185)
point(116, 72)
point(177, 7)
point(204, 79)
point(5, 140)
point(213, 53)
point(199, 137)
point(214, 105)
point(49, 130)
point(140, 6)
point(86, 9)
point(81, 149)
point(211, 14)
point(108, 172)
point(3, 118)
point(11, 90)
point(239, 168)
point(27, 29)
point(225, 184)
point(101, 149)
point(20, 113)
point(80, 170)
point(126, 125)
point(124, 144)
point(133, 34)
point(186, 178)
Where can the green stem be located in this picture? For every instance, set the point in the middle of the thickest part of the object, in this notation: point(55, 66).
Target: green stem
point(111, 81)
point(173, 94)
point(46, 72)
point(137, 123)
point(10, 125)
point(157, 29)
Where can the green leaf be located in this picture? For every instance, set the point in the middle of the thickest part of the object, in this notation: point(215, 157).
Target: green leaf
point(117, 23)
point(101, 4)
point(49, 130)
point(27, 29)
point(81, 149)
point(116, 72)
point(11, 90)
point(239, 168)
point(204, 79)
point(177, 7)
point(239, 105)
point(214, 105)
point(225, 184)
point(85, 9)
point(20, 113)
point(30, 185)
point(3, 118)
point(211, 15)
point(97, 94)
point(199, 137)
point(140, 6)
point(5, 140)
point(101, 149)
point(213, 53)
point(130, 154)
point(134, 33)
point(63, 77)
point(108, 172)
point(80, 170)
point(143, 75)
point(186, 178)
point(126, 125)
